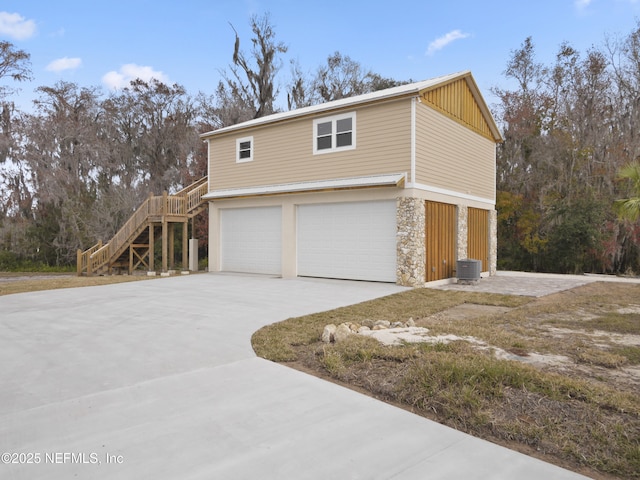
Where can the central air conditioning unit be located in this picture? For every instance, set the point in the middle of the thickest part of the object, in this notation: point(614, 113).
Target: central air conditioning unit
point(468, 270)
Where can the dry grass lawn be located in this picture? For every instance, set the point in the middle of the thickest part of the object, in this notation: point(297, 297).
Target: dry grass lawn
point(558, 377)
point(11, 283)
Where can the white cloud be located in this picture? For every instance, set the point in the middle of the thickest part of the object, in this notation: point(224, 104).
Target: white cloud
point(63, 64)
point(582, 4)
point(16, 26)
point(443, 41)
point(121, 79)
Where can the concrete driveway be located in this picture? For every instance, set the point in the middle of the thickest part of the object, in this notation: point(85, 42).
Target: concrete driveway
point(157, 380)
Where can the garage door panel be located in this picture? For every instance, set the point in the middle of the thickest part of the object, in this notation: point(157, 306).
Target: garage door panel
point(354, 240)
point(251, 240)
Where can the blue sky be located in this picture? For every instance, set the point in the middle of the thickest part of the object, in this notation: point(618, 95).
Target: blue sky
point(106, 43)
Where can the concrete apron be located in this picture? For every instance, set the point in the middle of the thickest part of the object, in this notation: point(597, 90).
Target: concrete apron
point(157, 379)
point(528, 284)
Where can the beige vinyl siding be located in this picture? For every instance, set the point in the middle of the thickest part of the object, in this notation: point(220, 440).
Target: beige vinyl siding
point(283, 153)
point(452, 157)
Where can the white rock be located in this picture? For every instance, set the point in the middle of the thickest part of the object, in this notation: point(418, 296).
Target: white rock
point(342, 332)
point(328, 334)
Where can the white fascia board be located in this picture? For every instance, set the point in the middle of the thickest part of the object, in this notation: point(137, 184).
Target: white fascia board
point(388, 180)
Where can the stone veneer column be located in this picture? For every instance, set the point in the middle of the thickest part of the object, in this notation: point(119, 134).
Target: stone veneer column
point(410, 238)
point(463, 230)
point(493, 242)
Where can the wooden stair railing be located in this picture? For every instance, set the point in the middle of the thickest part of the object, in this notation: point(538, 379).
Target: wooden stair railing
point(84, 258)
point(194, 196)
point(185, 204)
point(193, 186)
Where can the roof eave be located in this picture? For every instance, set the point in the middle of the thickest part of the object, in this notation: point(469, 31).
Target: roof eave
point(378, 96)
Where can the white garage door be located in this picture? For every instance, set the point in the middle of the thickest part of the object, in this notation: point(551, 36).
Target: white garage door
point(348, 240)
point(251, 240)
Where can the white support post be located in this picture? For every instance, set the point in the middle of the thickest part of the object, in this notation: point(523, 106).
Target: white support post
point(193, 255)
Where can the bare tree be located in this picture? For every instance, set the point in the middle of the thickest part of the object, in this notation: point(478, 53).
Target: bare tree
point(341, 77)
point(300, 88)
point(227, 107)
point(624, 57)
point(63, 154)
point(154, 136)
point(520, 112)
point(568, 130)
point(252, 81)
point(14, 65)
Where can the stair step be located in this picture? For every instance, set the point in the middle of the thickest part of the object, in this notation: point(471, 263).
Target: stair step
point(166, 208)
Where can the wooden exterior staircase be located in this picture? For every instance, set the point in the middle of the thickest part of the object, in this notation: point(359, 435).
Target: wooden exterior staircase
point(133, 245)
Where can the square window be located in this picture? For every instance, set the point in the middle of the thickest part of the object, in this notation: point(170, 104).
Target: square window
point(244, 149)
point(334, 133)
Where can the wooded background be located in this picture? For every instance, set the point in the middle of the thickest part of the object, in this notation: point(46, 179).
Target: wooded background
point(74, 169)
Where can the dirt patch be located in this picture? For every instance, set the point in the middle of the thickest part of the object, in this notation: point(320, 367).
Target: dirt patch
point(469, 311)
point(562, 363)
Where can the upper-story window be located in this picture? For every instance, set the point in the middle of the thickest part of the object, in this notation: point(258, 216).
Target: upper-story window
point(244, 149)
point(335, 133)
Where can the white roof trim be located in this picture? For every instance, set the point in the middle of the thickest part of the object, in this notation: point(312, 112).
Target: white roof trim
point(336, 184)
point(411, 88)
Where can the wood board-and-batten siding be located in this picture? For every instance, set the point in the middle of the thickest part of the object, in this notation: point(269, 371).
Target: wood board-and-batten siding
point(478, 236)
point(456, 101)
point(440, 240)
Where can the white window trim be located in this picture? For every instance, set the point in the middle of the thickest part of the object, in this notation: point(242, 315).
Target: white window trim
point(334, 119)
point(239, 141)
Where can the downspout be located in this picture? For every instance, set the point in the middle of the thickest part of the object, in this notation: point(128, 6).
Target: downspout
point(211, 248)
point(412, 180)
point(208, 165)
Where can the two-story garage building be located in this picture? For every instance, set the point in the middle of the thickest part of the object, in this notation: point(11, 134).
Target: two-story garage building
point(391, 186)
